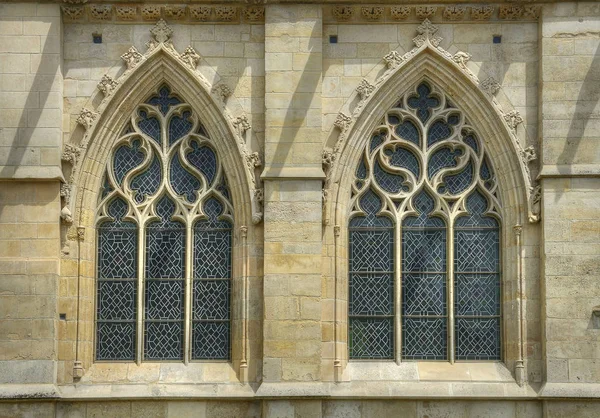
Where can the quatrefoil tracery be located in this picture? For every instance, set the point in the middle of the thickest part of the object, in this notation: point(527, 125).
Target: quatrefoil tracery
point(426, 144)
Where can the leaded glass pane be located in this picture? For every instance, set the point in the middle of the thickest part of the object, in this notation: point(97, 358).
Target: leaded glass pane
point(179, 126)
point(146, 183)
point(408, 130)
point(371, 251)
point(458, 183)
point(438, 131)
point(371, 294)
point(205, 160)
point(183, 182)
point(150, 126)
point(371, 338)
point(476, 250)
point(401, 157)
point(424, 338)
point(423, 294)
point(164, 100)
point(211, 299)
point(126, 158)
point(476, 294)
point(471, 141)
point(115, 341)
point(376, 141)
point(212, 252)
point(424, 250)
point(423, 102)
point(116, 300)
point(211, 340)
point(389, 182)
point(163, 340)
point(477, 338)
point(443, 158)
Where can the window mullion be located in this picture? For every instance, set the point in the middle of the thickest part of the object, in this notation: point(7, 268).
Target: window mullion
point(141, 248)
point(188, 294)
point(450, 293)
point(398, 290)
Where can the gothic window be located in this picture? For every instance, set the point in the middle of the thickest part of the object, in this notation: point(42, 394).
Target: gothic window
point(164, 241)
point(424, 238)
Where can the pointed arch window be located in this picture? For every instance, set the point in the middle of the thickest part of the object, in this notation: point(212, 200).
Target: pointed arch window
point(424, 238)
point(164, 241)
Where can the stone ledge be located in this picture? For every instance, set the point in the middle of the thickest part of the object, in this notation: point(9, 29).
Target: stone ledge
point(570, 390)
point(575, 170)
point(10, 392)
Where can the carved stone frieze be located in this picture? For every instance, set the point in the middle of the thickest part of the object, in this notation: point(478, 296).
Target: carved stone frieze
point(75, 1)
point(190, 57)
point(393, 59)
point(254, 13)
point(126, 13)
point(100, 11)
point(454, 12)
point(150, 12)
point(425, 12)
point(510, 12)
point(107, 85)
point(531, 12)
point(175, 12)
point(86, 118)
point(132, 58)
point(201, 13)
point(372, 12)
point(73, 12)
point(482, 12)
point(400, 12)
point(343, 13)
point(490, 86)
point(226, 13)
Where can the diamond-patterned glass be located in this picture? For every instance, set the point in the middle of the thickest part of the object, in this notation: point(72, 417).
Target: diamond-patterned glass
point(423, 294)
point(476, 206)
point(424, 338)
point(163, 340)
point(115, 340)
point(163, 300)
point(476, 250)
point(146, 183)
point(477, 339)
point(150, 126)
point(401, 157)
point(117, 245)
point(389, 182)
point(183, 182)
point(423, 102)
point(179, 126)
point(204, 159)
point(371, 338)
point(408, 131)
point(371, 294)
point(211, 340)
point(437, 132)
point(371, 251)
point(125, 159)
point(424, 205)
point(211, 299)
point(424, 251)
point(471, 141)
point(361, 170)
point(165, 247)
point(371, 204)
point(443, 158)
point(477, 294)
point(376, 141)
point(116, 300)
point(458, 183)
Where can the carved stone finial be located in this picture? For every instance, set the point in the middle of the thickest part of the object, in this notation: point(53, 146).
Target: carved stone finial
point(342, 122)
point(365, 89)
point(490, 86)
point(86, 118)
point(400, 12)
point(482, 12)
point(132, 57)
point(70, 154)
point(190, 57)
point(107, 85)
point(393, 59)
point(161, 32)
point(427, 32)
point(461, 58)
point(513, 119)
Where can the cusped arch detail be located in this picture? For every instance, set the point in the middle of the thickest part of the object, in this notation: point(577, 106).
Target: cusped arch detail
point(428, 62)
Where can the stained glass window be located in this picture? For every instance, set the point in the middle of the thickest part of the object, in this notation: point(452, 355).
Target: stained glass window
point(426, 179)
point(163, 182)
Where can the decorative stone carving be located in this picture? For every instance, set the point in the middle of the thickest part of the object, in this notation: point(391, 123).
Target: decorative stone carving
point(372, 13)
point(175, 12)
point(72, 12)
point(258, 201)
point(425, 12)
point(535, 200)
point(400, 12)
point(127, 13)
point(513, 119)
point(461, 58)
point(80, 233)
point(490, 86)
point(201, 13)
point(190, 57)
point(454, 13)
point(65, 213)
point(342, 122)
point(86, 118)
point(328, 158)
point(161, 32)
point(222, 91)
point(107, 85)
point(70, 154)
point(365, 88)
point(393, 59)
point(132, 57)
point(225, 13)
point(254, 14)
point(427, 32)
point(531, 12)
point(75, 1)
point(100, 11)
point(253, 161)
point(482, 12)
point(242, 124)
point(150, 12)
point(510, 12)
point(343, 12)
point(528, 155)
